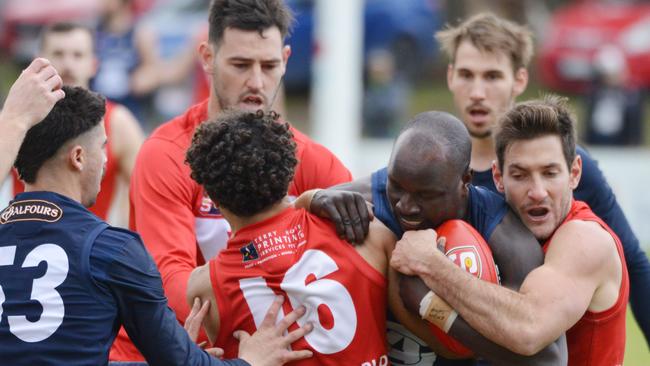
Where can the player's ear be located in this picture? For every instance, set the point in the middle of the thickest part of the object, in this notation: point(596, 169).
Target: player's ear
point(521, 81)
point(497, 176)
point(76, 158)
point(575, 172)
point(207, 52)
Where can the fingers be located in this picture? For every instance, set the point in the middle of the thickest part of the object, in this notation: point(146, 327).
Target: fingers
point(364, 216)
point(291, 318)
point(241, 335)
point(36, 65)
point(345, 219)
point(333, 213)
point(272, 313)
point(298, 355)
point(194, 320)
point(215, 352)
point(442, 241)
point(299, 333)
point(46, 73)
point(54, 83)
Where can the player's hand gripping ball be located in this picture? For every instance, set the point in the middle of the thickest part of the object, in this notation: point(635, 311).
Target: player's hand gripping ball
point(468, 250)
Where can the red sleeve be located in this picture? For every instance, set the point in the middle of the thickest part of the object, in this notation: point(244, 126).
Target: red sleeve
point(317, 168)
point(162, 199)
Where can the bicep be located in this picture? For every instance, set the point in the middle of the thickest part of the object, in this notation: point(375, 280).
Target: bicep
point(515, 250)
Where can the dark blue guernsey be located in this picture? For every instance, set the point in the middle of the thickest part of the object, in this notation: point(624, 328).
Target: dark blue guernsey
point(484, 212)
point(67, 283)
point(594, 190)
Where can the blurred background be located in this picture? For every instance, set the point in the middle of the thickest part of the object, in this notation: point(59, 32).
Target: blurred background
point(597, 53)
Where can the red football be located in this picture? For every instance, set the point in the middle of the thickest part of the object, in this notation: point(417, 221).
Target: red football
point(468, 250)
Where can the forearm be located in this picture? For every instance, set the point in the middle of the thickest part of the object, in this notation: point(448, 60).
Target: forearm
point(12, 134)
point(553, 354)
point(497, 313)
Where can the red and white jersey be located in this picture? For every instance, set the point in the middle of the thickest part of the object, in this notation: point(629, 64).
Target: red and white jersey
point(180, 226)
point(598, 339)
point(299, 256)
point(107, 194)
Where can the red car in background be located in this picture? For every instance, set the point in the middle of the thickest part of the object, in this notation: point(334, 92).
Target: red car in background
point(577, 32)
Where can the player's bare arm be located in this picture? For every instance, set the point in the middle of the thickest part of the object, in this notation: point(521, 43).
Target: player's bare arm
point(268, 346)
point(30, 99)
point(345, 204)
point(552, 298)
point(517, 253)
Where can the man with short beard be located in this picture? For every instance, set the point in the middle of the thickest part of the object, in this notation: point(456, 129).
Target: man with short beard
point(245, 59)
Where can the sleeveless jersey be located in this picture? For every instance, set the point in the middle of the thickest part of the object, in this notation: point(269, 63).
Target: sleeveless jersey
point(106, 195)
point(299, 256)
point(598, 339)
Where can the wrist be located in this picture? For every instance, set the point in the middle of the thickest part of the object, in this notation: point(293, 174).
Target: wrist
point(306, 198)
point(19, 124)
point(436, 311)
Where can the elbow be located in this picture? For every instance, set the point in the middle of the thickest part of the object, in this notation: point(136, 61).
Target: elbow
point(528, 341)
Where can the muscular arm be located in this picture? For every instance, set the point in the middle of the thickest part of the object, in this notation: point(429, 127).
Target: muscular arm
point(594, 190)
point(552, 298)
point(517, 253)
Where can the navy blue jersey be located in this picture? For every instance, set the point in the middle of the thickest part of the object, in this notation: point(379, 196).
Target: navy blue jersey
point(484, 212)
point(485, 209)
point(596, 192)
point(68, 281)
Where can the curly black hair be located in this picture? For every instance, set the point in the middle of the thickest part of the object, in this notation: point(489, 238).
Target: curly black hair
point(245, 161)
point(78, 112)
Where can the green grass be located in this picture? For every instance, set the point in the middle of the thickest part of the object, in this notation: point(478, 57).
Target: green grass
point(636, 348)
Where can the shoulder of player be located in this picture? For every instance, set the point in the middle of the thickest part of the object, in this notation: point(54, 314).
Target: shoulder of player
point(585, 242)
point(116, 236)
point(380, 237)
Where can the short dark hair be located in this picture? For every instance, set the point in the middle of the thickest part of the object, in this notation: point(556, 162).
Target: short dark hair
point(65, 27)
point(245, 161)
point(78, 112)
point(251, 15)
point(538, 118)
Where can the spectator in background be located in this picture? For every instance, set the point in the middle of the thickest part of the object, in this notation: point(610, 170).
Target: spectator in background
point(129, 58)
point(69, 47)
point(385, 98)
point(614, 108)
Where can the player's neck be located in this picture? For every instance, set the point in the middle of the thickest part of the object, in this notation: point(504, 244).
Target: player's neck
point(239, 222)
point(54, 183)
point(483, 153)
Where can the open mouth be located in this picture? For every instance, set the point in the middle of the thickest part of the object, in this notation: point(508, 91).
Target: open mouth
point(478, 113)
point(538, 214)
point(253, 101)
